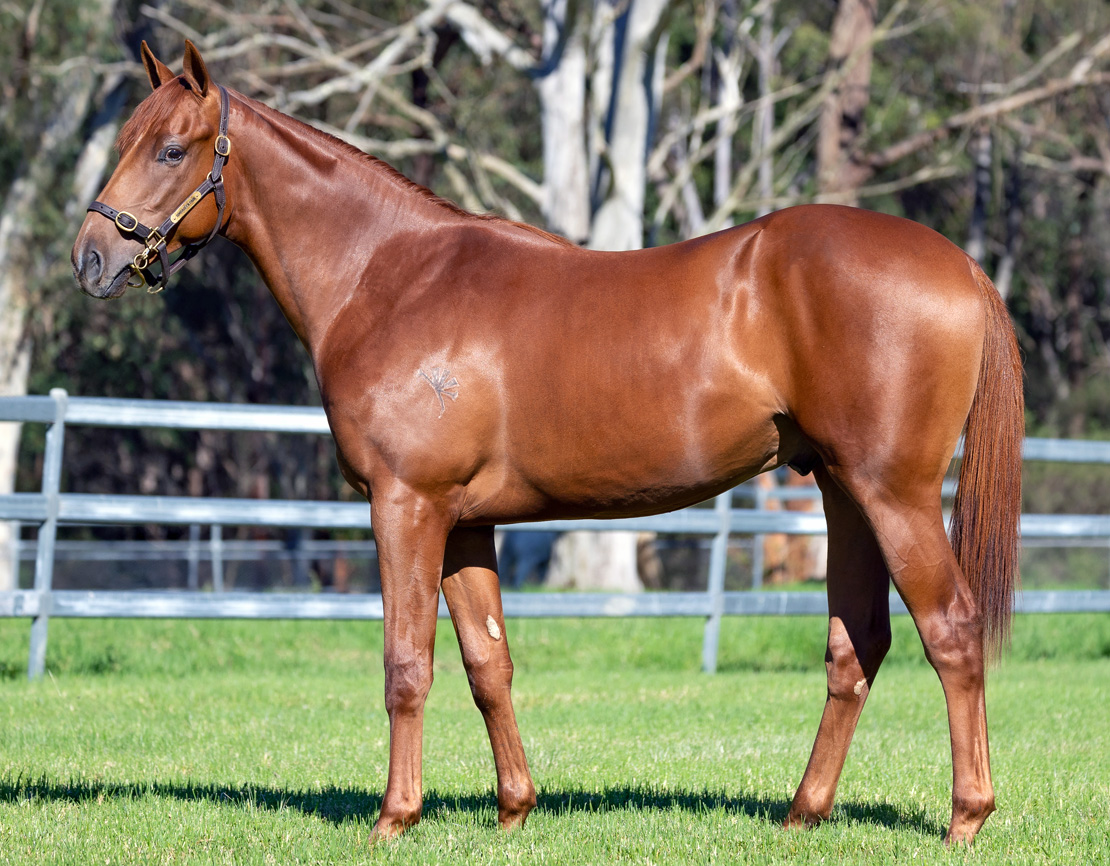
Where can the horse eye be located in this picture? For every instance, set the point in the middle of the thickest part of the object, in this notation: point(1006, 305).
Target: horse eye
point(173, 153)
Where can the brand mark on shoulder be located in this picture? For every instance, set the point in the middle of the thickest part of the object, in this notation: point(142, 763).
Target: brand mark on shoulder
point(444, 385)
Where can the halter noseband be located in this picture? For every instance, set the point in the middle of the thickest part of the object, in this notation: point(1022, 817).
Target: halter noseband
point(155, 240)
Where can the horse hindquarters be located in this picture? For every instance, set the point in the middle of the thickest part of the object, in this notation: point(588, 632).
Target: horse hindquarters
point(896, 488)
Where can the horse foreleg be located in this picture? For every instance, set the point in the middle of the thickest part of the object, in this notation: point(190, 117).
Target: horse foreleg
point(859, 637)
point(410, 540)
point(473, 594)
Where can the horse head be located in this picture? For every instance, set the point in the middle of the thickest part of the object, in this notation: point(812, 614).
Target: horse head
point(166, 193)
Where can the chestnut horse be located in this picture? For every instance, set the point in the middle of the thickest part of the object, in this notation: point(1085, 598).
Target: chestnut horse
point(478, 371)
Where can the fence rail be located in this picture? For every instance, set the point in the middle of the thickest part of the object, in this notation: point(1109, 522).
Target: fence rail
point(52, 507)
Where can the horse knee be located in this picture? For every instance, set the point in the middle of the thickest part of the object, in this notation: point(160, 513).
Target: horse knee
point(490, 679)
point(408, 679)
point(850, 667)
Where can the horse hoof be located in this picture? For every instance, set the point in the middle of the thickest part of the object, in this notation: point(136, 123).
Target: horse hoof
point(962, 832)
point(508, 823)
point(801, 821)
point(512, 819)
point(389, 828)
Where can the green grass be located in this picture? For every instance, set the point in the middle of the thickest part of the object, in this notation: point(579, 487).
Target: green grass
point(231, 742)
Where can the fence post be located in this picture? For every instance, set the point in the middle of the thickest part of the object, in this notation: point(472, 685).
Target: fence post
point(216, 542)
point(48, 533)
point(192, 573)
point(758, 541)
point(718, 557)
point(16, 551)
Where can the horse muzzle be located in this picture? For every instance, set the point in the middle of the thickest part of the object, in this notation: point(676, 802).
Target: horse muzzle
point(99, 274)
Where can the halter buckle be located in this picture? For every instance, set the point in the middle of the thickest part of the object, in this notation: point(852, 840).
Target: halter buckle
point(223, 146)
point(126, 222)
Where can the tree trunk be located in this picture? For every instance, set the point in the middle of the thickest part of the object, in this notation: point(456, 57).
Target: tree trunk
point(842, 115)
point(562, 91)
point(627, 85)
point(976, 246)
point(17, 262)
point(1004, 274)
point(20, 261)
point(764, 126)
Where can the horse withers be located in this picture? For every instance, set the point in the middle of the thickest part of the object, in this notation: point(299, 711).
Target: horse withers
point(477, 371)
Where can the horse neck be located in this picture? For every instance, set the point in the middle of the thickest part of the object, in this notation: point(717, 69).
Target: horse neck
point(311, 213)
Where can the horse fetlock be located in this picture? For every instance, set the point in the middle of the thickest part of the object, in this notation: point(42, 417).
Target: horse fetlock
point(969, 813)
point(513, 805)
point(812, 804)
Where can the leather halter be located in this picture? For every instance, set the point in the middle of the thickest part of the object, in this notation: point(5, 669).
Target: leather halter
point(156, 239)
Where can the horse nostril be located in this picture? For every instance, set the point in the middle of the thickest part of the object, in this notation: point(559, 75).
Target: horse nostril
point(89, 265)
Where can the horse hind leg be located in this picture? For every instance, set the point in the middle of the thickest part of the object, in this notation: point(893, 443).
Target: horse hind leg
point(473, 594)
point(909, 528)
point(859, 637)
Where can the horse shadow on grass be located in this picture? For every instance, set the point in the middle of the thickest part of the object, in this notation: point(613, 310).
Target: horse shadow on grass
point(339, 805)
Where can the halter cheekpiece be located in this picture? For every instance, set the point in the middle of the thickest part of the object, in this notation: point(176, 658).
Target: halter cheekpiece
point(155, 240)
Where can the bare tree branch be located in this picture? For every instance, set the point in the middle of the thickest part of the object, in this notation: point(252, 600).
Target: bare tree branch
point(987, 111)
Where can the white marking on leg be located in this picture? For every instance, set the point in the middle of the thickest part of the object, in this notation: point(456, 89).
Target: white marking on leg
point(493, 629)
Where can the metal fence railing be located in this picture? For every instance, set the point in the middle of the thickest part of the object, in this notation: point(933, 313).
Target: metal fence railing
point(51, 507)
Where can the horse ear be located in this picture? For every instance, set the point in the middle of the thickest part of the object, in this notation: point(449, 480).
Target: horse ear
point(156, 70)
point(196, 73)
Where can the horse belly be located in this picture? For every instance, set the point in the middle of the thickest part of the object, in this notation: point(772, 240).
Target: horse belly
point(644, 448)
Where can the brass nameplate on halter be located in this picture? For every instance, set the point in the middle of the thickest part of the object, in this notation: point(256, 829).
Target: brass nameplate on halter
point(186, 206)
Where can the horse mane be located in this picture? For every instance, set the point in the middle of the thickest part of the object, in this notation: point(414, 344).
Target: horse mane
point(411, 186)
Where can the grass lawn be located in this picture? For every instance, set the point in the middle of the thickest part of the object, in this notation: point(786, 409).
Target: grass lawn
point(237, 742)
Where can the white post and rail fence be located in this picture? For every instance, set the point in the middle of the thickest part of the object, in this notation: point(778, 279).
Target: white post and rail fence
point(52, 507)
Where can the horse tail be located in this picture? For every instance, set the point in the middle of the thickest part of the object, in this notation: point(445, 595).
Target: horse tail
point(985, 531)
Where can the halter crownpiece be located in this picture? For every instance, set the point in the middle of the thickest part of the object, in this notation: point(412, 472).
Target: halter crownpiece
point(155, 240)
